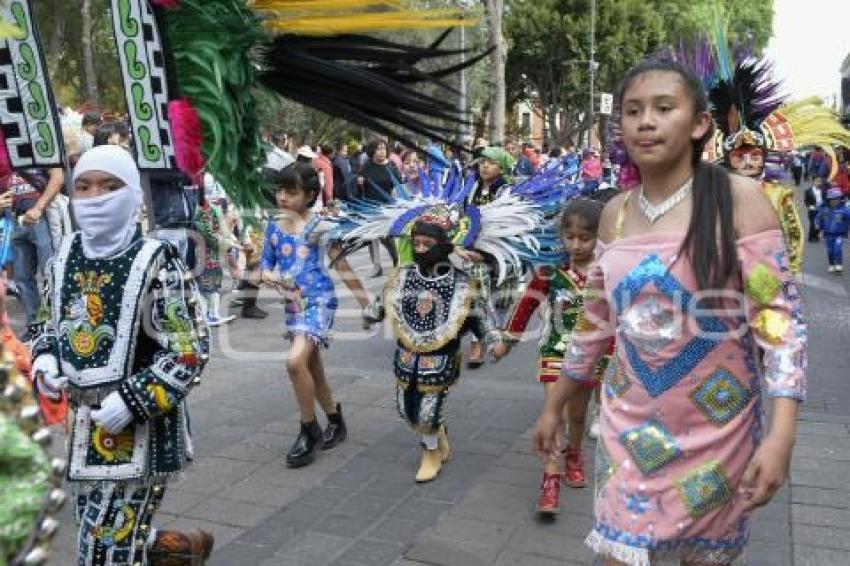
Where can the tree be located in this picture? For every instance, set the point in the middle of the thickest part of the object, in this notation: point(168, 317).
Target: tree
point(549, 54)
point(549, 46)
point(88, 55)
point(498, 60)
point(62, 29)
point(749, 22)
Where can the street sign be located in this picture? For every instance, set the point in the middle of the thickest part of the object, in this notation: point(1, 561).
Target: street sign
point(606, 103)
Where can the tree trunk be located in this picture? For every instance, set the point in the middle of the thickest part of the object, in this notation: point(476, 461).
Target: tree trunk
point(498, 57)
point(554, 131)
point(480, 126)
point(88, 56)
point(57, 33)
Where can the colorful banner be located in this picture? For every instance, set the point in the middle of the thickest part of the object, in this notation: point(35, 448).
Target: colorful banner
point(142, 62)
point(28, 115)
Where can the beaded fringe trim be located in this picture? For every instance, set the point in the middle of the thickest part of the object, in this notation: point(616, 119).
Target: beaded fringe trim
point(636, 556)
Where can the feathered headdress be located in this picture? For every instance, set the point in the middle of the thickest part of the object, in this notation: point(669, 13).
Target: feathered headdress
point(747, 107)
point(191, 70)
point(516, 227)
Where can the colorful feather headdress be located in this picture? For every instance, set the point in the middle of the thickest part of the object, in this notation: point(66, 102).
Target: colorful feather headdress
point(516, 227)
point(192, 68)
point(748, 109)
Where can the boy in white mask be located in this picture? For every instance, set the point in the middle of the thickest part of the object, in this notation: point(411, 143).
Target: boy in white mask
point(126, 337)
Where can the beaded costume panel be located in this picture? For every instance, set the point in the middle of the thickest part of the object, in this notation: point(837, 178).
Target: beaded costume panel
point(132, 324)
point(428, 313)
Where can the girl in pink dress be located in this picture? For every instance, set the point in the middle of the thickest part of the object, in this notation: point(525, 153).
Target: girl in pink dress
point(693, 280)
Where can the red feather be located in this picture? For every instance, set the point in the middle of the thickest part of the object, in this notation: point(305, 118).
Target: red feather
point(188, 137)
point(5, 160)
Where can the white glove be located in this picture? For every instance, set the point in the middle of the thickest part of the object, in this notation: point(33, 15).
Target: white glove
point(113, 415)
point(45, 369)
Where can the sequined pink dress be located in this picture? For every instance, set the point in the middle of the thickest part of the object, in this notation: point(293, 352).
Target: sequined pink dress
point(681, 403)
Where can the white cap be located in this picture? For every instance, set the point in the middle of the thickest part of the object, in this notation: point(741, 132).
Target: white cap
point(307, 151)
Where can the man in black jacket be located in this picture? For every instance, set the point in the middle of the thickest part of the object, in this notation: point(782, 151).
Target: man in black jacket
point(813, 198)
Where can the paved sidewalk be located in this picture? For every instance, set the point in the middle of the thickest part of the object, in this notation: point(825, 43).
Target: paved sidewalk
point(358, 504)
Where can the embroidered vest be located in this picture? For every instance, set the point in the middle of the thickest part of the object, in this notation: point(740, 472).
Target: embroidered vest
point(96, 306)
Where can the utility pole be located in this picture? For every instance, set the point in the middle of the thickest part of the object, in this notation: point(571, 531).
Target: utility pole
point(592, 66)
point(463, 127)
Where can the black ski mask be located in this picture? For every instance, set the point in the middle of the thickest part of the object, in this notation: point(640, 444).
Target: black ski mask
point(436, 255)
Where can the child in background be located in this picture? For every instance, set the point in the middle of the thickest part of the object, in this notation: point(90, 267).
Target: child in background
point(562, 289)
point(833, 220)
point(212, 226)
point(292, 263)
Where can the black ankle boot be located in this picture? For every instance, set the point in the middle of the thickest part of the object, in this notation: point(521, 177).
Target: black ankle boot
point(335, 431)
point(303, 451)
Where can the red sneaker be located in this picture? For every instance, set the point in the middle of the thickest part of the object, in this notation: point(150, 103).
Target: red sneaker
point(548, 503)
point(574, 468)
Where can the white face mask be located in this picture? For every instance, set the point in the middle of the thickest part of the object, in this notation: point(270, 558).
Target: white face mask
point(108, 222)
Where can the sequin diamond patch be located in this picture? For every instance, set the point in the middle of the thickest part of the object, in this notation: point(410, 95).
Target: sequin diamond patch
point(704, 489)
point(720, 397)
point(762, 285)
point(712, 330)
point(650, 446)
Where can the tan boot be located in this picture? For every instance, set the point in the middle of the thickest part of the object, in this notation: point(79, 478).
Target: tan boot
point(430, 465)
point(176, 548)
point(443, 444)
point(476, 355)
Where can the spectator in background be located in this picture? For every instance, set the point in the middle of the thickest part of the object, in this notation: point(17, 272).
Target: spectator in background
point(819, 165)
point(305, 154)
point(513, 148)
point(32, 192)
point(797, 167)
point(412, 169)
point(278, 157)
point(355, 153)
point(376, 182)
point(343, 176)
point(395, 155)
point(842, 178)
point(813, 199)
point(591, 166)
point(90, 125)
point(113, 133)
point(325, 169)
point(528, 161)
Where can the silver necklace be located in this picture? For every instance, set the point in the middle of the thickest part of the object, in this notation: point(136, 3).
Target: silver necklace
point(653, 212)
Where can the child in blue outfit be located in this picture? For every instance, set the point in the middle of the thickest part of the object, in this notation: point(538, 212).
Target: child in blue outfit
point(833, 219)
point(292, 263)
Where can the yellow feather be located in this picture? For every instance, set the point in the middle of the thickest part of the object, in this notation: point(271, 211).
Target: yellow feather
point(11, 31)
point(331, 17)
point(812, 123)
point(354, 23)
point(318, 5)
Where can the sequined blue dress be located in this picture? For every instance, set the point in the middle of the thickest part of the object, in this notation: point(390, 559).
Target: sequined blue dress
point(297, 259)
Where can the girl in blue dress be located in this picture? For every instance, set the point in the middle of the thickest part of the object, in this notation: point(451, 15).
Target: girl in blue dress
point(292, 263)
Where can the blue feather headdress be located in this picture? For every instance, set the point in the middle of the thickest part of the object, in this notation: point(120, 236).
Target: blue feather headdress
point(517, 227)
